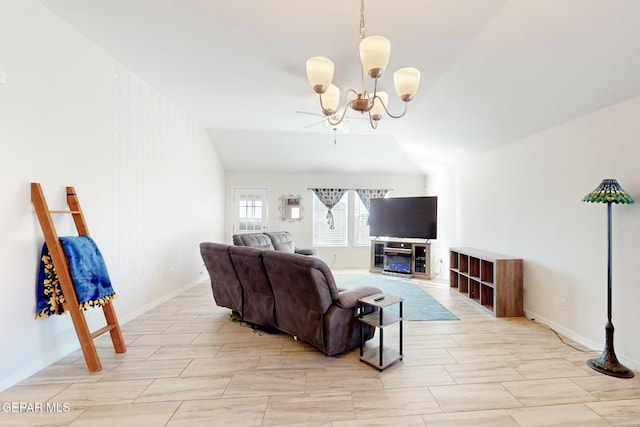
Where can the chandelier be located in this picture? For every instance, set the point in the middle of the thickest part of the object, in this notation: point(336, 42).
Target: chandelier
point(374, 57)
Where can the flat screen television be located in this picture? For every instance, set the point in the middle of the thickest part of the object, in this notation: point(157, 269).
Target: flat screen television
point(404, 217)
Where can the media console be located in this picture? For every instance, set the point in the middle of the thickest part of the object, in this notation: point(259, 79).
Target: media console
point(401, 257)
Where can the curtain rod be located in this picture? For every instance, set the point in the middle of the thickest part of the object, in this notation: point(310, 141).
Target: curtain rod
point(388, 189)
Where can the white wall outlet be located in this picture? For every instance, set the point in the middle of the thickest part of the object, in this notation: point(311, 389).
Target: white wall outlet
point(563, 304)
point(3, 77)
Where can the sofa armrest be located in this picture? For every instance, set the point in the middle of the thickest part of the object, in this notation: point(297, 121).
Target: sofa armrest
point(350, 297)
point(306, 251)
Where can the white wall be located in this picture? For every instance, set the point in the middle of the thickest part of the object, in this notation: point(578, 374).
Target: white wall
point(441, 183)
point(147, 176)
point(284, 184)
point(525, 200)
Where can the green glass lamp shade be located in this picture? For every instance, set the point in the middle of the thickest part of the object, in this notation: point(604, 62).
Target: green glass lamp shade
point(609, 191)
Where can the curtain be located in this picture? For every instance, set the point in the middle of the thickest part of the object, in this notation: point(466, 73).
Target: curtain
point(366, 195)
point(329, 197)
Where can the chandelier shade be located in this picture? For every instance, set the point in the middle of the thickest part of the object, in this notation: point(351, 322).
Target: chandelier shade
point(320, 73)
point(374, 55)
point(375, 52)
point(331, 99)
point(406, 81)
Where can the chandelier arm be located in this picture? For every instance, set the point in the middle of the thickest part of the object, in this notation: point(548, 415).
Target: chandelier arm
point(324, 110)
point(344, 105)
point(342, 116)
point(374, 124)
point(344, 102)
point(387, 110)
point(352, 91)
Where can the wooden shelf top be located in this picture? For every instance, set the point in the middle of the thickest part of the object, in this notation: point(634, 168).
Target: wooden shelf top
point(482, 254)
point(400, 240)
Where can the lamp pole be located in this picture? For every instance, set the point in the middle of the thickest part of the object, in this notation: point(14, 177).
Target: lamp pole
point(608, 363)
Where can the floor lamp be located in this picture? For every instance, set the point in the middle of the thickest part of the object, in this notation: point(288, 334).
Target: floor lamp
point(609, 191)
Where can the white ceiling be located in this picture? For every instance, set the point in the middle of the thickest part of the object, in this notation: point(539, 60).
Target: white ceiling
point(493, 71)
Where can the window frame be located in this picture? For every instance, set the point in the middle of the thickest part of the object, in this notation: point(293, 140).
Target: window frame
point(319, 220)
point(354, 209)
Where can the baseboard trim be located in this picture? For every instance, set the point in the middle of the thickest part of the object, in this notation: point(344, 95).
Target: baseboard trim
point(595, 346)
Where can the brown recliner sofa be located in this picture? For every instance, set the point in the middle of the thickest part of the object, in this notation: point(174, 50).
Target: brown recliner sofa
point(225, 285)
point(271, 240)
point(309, 305)
point(294, 293)
point(258, 299)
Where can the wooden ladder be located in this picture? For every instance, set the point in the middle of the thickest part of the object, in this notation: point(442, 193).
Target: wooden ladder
point(59, 261)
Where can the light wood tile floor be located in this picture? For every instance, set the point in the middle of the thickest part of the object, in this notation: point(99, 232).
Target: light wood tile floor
point(188, 364)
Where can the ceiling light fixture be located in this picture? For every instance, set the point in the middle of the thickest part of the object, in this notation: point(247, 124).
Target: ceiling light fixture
point(374, 57)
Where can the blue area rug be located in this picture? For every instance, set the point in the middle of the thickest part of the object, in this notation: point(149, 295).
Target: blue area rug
point(417, 305)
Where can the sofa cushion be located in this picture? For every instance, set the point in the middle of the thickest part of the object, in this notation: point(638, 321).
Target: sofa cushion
point(302, 293)
point(275, 240)
point(225, 284)
point(259, 304)
point(282, 241)
point(255, 240)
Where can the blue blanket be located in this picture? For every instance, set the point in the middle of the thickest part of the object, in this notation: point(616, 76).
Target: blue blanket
point(88, 273)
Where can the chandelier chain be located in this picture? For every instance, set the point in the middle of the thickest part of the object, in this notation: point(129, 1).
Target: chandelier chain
point(362, 35)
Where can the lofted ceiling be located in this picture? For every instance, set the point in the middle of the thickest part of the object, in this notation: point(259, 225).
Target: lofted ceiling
point(493, 71)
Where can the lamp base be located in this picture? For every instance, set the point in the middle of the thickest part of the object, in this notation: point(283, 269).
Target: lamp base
point(609, 367)
point(608, 363)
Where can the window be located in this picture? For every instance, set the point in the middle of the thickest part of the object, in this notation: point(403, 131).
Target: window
point(322, 234)
point(250, 209)
point(250, 214)
point(345, 219)
point(360, 222)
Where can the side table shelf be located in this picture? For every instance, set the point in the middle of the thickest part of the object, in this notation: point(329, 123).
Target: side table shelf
point(380, 357)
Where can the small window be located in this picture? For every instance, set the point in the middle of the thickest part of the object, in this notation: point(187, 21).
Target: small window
point(322, 234)
point(250, 213)
point(360, 223)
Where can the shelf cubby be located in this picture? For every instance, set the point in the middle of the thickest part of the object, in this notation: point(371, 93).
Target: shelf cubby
point(463, 262)
point(474, 267)
point(453, 280)
point(419, 259)
point(463, 284)
point(486, 297)
point(453, 260)
point(474, 290)
point(486, 271)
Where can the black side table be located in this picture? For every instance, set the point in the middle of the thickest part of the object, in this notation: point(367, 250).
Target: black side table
point(380, 357)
